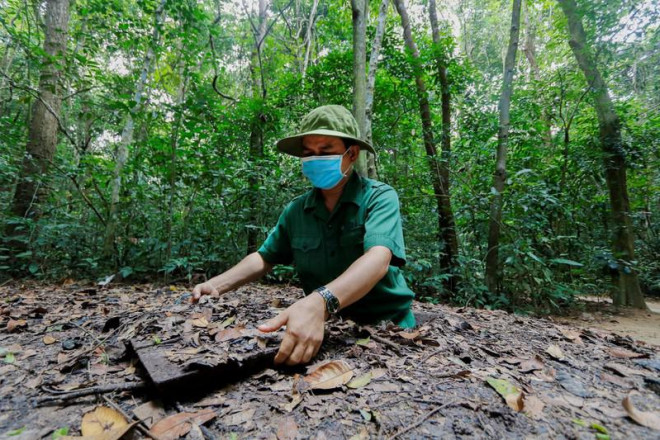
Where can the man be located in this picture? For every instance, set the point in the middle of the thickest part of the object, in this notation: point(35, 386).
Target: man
point(344, 237)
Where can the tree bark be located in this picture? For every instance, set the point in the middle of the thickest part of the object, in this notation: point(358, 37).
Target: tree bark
point(127, 136)
point(360, 17)
point(256, 146)
point(446, 229)
point(309, 38)
point(626, 290)
point(493, 275)
point(449, 228)
point(371, 83)
point(32, 186)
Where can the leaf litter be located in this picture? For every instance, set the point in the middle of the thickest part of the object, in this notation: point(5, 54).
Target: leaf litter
point(460, 373)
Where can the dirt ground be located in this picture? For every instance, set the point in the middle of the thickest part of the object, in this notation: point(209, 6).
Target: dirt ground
point(65, 352)
point(598, 312)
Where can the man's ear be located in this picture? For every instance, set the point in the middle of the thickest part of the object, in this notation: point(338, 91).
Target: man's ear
point(354, 152)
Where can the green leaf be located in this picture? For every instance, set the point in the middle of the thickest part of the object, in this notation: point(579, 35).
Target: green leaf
point(10, 358)
point(157, 340)
point(567, 262)
point(364, 341)
point(15, 432)
point(599, 428)
point(61, 432)
point(503, 387)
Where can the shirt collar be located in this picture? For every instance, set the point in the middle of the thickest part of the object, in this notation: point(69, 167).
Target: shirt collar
point(353, 193)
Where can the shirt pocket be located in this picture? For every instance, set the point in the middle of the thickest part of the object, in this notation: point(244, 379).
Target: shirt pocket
point(306, 252)
point(351, 243)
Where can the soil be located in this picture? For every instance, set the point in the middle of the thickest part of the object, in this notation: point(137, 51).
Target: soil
point(598, 312)
point(462, 374)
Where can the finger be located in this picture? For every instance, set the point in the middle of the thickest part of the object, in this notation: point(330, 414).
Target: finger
point(309, 354)
point(275, 323)
point(214, 292)
point(296, 356)
point(286, 347)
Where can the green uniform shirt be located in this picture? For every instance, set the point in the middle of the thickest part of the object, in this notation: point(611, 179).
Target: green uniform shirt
point(322, 245)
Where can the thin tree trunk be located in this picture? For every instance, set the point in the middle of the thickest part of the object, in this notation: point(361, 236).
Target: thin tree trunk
point(626, 290)
point(449, 227)
point(493, 275)
point(127, 135)
point(371, 83)
point(32, 186)
point(360, 17)
point(256, 147)
point(446, 237)
point(309, 38)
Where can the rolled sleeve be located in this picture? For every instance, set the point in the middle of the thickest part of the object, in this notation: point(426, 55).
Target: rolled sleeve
point(383, 226)
point(277, 247)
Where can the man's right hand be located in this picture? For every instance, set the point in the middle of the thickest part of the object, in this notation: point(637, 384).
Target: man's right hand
point(203, 289)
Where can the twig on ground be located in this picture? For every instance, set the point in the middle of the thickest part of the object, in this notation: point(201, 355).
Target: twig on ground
point(419, 421)
point(68, 395)
point(141, 426)
point(387, 342)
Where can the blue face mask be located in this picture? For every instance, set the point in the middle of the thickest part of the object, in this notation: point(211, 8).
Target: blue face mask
point(323, 171)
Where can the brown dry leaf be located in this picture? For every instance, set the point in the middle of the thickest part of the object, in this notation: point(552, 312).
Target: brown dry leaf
point(571, 335)
point(623, 354)
point(409, 335)
point(515, 401)
point(177, 425)
point(377, 373)
point(554, 351)
point(533, 406)
point(16, 324)
point(287, 429)
point(150, 412)
point(48, 339)
point(102, 424)
point(229, 333)
point(644, 418)
point(623, 370)
point(330, 375)
point(529, 365)
point(200, 322)
point(240, 417)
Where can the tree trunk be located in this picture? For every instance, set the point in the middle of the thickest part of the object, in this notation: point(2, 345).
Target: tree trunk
point(493, 274)
point(626, 290)
point(32, 186)
point(256, 147)
point(360, 17)
point(127, 135)
point(446, 229)
point(309, 38)
point(449, 228)
point(371, 83)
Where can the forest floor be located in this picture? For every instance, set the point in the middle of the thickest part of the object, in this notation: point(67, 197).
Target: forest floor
point(69, 351)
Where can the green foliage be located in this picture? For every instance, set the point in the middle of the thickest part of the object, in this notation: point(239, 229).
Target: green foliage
point(193, 190)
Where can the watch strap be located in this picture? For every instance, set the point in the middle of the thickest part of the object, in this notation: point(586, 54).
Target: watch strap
point(331, 302)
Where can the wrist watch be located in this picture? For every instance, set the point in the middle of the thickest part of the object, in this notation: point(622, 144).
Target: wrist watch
point(331, 302)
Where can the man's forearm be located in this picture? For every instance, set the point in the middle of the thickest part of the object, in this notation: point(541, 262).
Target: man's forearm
point(361, 276)
point(248, 269)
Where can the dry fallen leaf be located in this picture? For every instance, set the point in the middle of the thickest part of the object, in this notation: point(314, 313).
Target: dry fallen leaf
point(177, 425)
point(330, 375)
point(409, 335)
point(102, 424)
point(48, 339)
point(16, 324)
point(229, 333)
point(529, 365)
point(623, 354)
point(511, 394)
point(150, 412)
point(101, 421)
point(533, 406)
point(554, 351)
point(200, 322)
point(644, 418)
point(360, 381)
point(287, 429)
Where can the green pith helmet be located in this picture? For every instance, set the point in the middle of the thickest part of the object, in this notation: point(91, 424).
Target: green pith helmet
point(328, 120)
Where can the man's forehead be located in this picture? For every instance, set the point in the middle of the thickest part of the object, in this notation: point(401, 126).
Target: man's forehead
point(323, 141)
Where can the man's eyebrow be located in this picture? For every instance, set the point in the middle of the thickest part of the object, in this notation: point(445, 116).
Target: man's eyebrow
point(323, 147)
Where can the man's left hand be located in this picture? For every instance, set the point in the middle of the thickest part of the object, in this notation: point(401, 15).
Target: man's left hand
point(305, 324)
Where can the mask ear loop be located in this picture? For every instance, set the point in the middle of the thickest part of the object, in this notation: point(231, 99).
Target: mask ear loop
point(350, 165)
